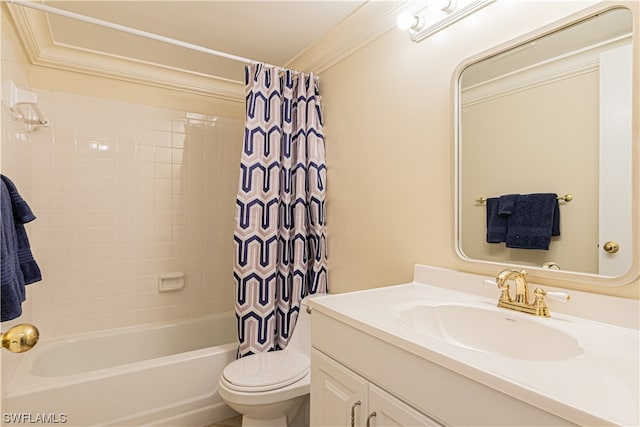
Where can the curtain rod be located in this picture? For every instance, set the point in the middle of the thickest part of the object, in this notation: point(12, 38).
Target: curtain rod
point(134, 31)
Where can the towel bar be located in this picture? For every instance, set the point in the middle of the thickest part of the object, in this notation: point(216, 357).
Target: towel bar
point(566, 198)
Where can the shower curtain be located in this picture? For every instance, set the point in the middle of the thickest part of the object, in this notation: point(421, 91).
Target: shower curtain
point(280, 242)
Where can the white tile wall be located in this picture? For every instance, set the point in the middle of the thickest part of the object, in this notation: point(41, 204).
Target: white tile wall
point(123, 193)
point(15, 142)
point(15, 155)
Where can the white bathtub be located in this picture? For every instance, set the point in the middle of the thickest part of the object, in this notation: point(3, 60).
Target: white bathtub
point(154, 375)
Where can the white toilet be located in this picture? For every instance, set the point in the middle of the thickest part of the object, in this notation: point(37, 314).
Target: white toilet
point(272, 389)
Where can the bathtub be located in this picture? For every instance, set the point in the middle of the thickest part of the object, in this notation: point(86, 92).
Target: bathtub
point(153, 375)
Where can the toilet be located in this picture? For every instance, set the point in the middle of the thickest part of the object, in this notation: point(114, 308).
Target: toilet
point(272, 389)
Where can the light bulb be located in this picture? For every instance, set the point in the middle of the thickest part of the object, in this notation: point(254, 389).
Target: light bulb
point(446, 6)
point(408, 21)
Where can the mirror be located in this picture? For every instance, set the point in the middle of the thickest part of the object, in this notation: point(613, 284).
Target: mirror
point(552, 114)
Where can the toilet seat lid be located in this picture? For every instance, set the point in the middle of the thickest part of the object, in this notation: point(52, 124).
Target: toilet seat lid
point(267, 371)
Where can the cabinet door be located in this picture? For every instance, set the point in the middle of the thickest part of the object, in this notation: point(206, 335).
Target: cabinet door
point(389, 411)
point(335, 393)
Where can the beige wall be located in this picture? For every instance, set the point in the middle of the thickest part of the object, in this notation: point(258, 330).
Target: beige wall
point(389, 133)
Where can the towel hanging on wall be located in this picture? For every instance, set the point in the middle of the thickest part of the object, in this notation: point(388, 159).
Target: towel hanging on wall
point(18, 268)
point(499, 210)
point(535, 218)
point(523, 221)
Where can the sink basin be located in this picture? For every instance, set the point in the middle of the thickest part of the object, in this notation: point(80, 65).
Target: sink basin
point(489, 330)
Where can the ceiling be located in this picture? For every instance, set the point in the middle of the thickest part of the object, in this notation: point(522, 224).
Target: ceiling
point(275, 32)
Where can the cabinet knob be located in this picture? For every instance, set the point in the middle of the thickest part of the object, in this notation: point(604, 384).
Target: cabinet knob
point(353, 413)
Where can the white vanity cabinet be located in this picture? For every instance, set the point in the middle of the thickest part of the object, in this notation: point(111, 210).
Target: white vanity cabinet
point(340, 397)
point(351, 361)
point(337, 393)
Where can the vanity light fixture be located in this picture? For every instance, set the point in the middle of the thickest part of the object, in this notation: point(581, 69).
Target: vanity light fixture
point(438, 15)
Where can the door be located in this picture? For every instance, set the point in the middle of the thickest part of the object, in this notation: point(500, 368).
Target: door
point(615, 160)
point(389, 411)
point(338, 396)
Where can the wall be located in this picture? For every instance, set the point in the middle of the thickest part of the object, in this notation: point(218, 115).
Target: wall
point(16, 142)
point(125, 192)
point(121, 90)
point(15, 150)
point(389, 134)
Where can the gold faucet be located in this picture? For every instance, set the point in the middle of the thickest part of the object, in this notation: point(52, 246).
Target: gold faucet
point(521, 301)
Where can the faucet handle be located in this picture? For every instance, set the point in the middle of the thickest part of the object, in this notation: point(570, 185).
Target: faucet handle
point(504, 288)
point(560, 296)
point(539, 305)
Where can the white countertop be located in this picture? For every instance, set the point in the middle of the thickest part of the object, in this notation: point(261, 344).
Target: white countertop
point(599, 386)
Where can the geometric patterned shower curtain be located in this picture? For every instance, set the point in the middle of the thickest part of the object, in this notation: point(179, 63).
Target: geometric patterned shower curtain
point(280, 242)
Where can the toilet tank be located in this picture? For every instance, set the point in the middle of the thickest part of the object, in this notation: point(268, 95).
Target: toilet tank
point(301, 338)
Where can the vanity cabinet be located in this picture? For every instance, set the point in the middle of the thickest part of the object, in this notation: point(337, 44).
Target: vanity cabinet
point(337, 393)
point(340, 397)
point(351, 362)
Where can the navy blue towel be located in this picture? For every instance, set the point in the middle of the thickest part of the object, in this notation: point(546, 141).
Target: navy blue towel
point(498, 211)
point(17, 266)
point(507, 205)
point(535, 218)
point(496, 224)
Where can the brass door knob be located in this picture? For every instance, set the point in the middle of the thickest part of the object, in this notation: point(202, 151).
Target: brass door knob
point(611, 247)
point(20, 338)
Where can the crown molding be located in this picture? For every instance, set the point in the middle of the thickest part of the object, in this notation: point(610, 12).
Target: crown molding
point(574, 64)
point(33, 29)
point(529, 79)
point(70, 58)
point(365, 24)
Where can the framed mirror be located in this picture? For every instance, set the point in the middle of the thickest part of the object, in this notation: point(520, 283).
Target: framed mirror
point(552, 114)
